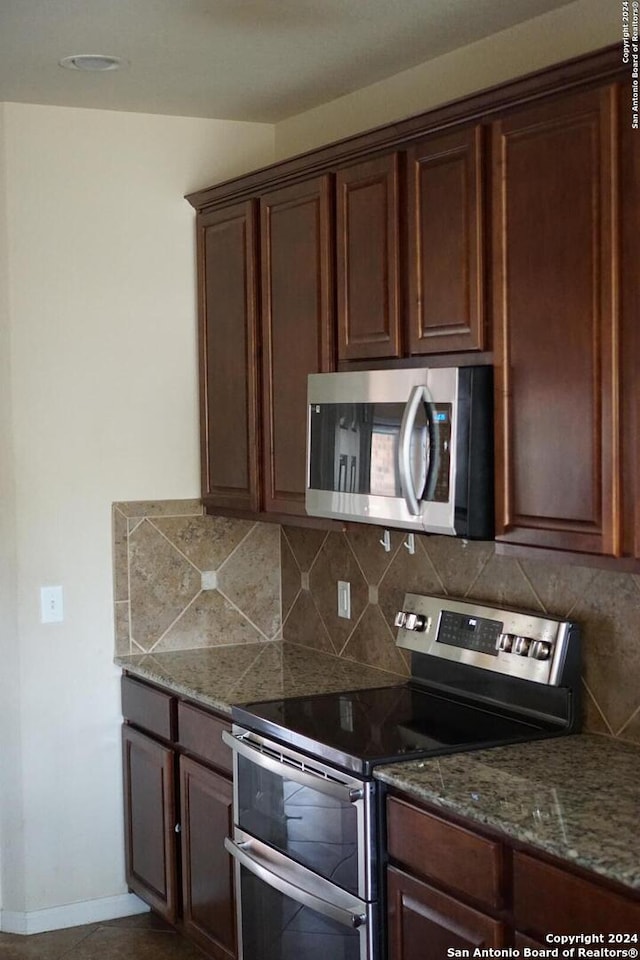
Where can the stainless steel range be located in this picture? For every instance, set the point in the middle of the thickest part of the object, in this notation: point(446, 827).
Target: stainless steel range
point(307, 821)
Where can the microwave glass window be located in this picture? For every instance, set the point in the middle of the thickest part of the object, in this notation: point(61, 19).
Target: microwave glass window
point(354, 449)
point(384, 456)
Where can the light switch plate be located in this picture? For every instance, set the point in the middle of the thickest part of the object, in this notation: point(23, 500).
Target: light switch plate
point(51, 605)
point(344, 599)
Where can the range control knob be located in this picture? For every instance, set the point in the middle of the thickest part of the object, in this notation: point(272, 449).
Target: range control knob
point(504, 642)
point(415, 621)
point(540, 650)
point(521, 646)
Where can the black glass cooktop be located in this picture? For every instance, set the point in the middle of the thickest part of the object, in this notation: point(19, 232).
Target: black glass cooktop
point(359, 729)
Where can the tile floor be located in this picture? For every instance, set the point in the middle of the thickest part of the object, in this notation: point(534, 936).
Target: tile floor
point(143, 937)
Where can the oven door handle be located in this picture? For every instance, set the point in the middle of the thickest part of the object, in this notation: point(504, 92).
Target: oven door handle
point(286, 886)
point(329, 788)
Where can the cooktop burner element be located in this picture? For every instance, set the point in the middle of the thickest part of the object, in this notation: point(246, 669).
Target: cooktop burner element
point(479, 680)
point(360, 729)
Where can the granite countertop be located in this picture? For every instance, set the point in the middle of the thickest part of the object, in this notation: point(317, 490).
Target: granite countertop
point(218, 677)
point(575, 797)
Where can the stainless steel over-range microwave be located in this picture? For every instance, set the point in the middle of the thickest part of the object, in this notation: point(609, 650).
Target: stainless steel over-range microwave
point(410, 448)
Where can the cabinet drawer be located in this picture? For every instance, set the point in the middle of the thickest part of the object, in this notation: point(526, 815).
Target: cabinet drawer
point(149, 708)
point(547, 899)
point(201, 734)
point(445, 853)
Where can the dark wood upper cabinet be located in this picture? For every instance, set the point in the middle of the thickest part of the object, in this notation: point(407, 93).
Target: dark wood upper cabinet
point(368, 259)
point(630, 334)
point(507, 221)
point(445, 243)
point(297, 322)
point(556, 324)
point(228, 357)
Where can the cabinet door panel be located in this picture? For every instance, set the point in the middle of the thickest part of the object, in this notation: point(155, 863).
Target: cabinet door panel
point(297, 320)
point(444, 250)
point(424, 923)
point(548, 899)
point(556, 325)
point(368, 260)
point(630, 337)
point(228, 357)
point(207, 875)
point(149, 804)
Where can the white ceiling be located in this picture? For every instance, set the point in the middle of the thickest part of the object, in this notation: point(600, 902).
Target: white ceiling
point(260, 60)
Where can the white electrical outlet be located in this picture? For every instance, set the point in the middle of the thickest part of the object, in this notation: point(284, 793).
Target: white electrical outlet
point(344, 599)
point(51, 609)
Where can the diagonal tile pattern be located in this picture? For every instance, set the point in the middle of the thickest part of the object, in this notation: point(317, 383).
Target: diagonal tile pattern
point(610, 614)
point(183, 580)
point(407, 573)
point(250, 578)
point(262, 581)
point(290, 576)
point(210, 615)
point(304, 625)
point(206, 544)
point(162, 583)
point(336, 561)
point(373, 643)
point(606, 604)
point(459, 562)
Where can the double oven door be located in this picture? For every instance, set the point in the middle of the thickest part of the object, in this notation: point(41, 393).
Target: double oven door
point(305, 849)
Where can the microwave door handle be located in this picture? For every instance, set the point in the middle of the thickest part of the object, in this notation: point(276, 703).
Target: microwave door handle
point(329, 788)
point(286, 886)
point(416, 397)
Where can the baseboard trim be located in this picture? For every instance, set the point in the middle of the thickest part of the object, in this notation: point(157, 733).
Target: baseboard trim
point(71, 914)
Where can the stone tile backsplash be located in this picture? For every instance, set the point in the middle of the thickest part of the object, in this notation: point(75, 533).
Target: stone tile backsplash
point(183, 580)
point(606, 604)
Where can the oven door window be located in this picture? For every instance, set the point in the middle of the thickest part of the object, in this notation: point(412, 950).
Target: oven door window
point(316, 830)
point(276, 927)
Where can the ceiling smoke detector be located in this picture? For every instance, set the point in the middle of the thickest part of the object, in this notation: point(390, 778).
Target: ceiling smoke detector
point(92, 62)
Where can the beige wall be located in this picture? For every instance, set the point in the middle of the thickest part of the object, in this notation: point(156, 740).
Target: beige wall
point(559, 35)
point(101, 279)
point(11, 860)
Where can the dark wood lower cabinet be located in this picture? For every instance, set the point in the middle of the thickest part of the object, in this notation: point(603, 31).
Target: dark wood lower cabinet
point(441, 905)
point(424, 922)
point(547, 898)
point(178, 811)
point(150, 848)
point(207, 873)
